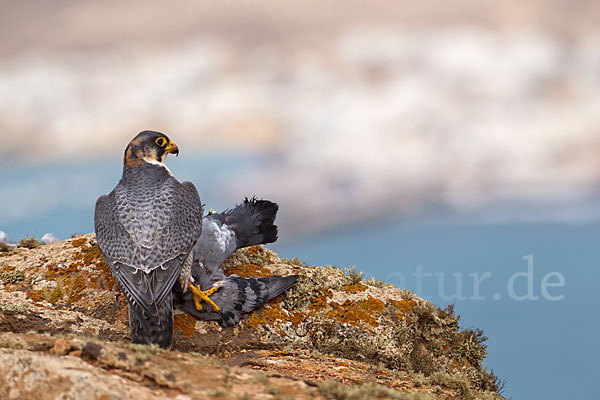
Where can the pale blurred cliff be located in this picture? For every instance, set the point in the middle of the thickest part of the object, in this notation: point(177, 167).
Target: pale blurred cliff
point(356, 109)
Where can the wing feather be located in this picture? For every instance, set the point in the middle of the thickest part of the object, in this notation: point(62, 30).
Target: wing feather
point(145, 229)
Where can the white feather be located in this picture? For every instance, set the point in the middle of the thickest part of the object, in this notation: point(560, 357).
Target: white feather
point(160, 164)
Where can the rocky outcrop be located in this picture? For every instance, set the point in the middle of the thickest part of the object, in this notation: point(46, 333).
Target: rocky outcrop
point(65, 330)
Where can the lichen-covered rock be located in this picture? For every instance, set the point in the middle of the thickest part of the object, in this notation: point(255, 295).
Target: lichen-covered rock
point(332, 321)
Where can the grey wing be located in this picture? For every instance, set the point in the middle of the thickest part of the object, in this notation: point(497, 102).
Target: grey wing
point(146, 247)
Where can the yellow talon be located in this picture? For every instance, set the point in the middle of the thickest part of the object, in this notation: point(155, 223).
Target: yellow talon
point(200, 295)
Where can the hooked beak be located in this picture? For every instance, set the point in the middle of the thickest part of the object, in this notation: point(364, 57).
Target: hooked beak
point(172, 148)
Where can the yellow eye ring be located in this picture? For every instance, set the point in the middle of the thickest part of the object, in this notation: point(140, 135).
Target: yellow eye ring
point(161, 142)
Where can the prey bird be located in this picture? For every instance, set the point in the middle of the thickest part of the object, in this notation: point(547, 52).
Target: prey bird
point(248, 224)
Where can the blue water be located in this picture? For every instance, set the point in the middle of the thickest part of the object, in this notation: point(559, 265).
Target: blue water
point(59, 198)
point(543, 348)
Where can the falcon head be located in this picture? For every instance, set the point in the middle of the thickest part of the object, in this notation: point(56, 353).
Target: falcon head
point(148, 146)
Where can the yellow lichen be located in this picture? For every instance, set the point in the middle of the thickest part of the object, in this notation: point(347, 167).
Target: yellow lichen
point(53, 296)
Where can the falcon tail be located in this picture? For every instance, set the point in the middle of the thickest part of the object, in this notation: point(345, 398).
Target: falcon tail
point(155, 330)
point(238, 296)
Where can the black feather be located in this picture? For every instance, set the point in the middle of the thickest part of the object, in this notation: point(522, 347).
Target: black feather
point(253, 222)
point(277, 284)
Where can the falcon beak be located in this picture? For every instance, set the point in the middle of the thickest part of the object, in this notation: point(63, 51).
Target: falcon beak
point(172, 148)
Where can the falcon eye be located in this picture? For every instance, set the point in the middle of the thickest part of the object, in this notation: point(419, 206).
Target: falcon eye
point(161, 142)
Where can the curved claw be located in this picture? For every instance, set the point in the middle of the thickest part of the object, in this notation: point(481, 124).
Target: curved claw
point(200, 295)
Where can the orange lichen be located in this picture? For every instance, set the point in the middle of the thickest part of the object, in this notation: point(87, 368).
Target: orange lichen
point(273, 315)
point(383, 373)
point(296, 317)
point(79, 242)
point(253, 250)
point(103, 277)
point(402, 307)
point(51, 271)
point(357, 287)
point(249, 271)
point(72, 280)
point(186, 324)
point(54, 271)
point(353, 312)
point(34, 295)
point(8, 268)
point(408, 305)
point(320, 300)
point(89, 255)
point(103, 281)
point(318, 304)
point(42, 306)
point(77, 286)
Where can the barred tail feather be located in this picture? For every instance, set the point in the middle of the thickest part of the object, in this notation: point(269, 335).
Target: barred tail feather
point(157, 329)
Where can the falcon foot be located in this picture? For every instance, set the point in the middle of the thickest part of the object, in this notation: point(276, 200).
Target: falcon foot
point(200, 295)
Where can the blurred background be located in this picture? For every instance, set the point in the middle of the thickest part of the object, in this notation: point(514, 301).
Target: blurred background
point(456, 137)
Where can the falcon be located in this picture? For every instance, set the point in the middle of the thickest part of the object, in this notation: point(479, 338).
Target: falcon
point(146, 229)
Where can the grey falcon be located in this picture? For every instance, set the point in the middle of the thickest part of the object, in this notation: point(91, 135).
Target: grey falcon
point(146, 230)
